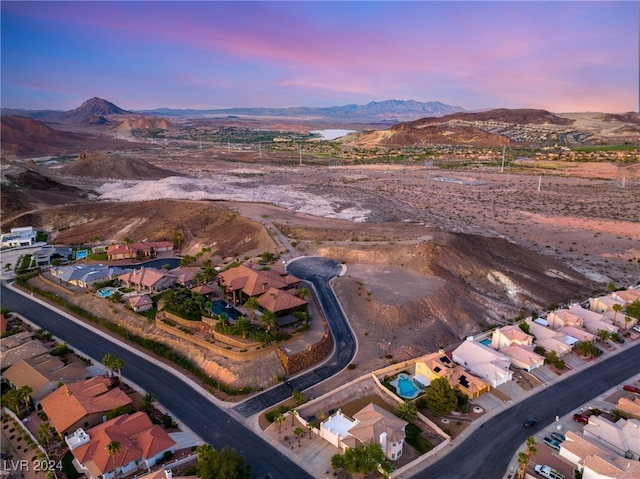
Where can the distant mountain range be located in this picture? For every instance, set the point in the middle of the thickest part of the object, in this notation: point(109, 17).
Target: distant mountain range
point(390, 111)
point(97, 111)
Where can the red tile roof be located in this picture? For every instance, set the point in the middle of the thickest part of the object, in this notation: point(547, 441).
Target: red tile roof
point(276, 300)
point(70, 403)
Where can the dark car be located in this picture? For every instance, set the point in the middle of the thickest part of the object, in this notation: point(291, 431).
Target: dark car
point(581, 418)
point(530, 422)
point(552, 443)
point(558, 436)
point(630, 387)
point(617, 338)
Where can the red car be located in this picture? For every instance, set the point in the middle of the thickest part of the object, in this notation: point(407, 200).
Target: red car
point(633, 389)
point(581, 418)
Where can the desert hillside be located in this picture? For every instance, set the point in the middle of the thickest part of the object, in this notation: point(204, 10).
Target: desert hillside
point(102, 165)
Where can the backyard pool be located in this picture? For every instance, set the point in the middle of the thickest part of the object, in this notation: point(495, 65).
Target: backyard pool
point(219, 307)
point(486, 342)
point(106, 292)
point(405, 387)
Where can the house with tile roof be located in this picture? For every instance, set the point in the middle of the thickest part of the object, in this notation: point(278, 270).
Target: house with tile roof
point(577, 334)
point(592, 321)
point(550, 339)
point(483, 362)
point(281, 302)
point(83, 404)
point(140, 303)
point(513, 342)
point(151, 279)
point(86, 275)
point(626, 296)
point(439, 365)
point(563, 317)
point(43, 374)
point(137, 250)
point(20, 346)
point(622, 436)
point(244, 282)
point(595, 461)
point(142, 446)
point(371, 424)
point(605, 303)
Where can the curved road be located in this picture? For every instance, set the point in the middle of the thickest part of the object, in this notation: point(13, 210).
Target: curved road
point(487, 452)
point(190, 404)
point(318, 271)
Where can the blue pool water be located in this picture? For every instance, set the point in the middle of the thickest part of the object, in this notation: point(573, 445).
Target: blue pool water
point(219, 306)
point(105, 292)
point(486, 342)
point(405, 387)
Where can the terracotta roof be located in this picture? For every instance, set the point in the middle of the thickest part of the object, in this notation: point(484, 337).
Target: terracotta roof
point(276, 300)
point(462, 377)
point(514, 333)
point(254, 283)
point(373, 421)
point(203, 289)
point(69, 403)
point(143, 276)
point(137, 436)
point(524, 355)
point(140, 300)
point(630, 407)
point(38, 372)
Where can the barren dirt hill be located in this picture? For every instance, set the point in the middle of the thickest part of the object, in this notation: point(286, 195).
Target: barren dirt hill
point(198, 224)
point(99, 164)
point(450, 286)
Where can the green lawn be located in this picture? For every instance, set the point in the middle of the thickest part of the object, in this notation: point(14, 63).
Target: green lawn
point(67, 466)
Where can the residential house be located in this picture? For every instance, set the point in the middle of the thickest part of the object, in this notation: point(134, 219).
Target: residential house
point(185, 276)
point(83, 404)
point(371, 424)
point(142, 446)
point(622, 436)
point(626, 296)
point(150, 279)
point(140, 303)
point(602, 304)
point(483, 362)
point(22, 236)
point(438, 365)
point(137, 250)
point(205, 290)
point(577, 334)
point(43, 374)
point(513, 342)
point(595, 461)
point(629, 407)
point(594, 322)
point(20, 346)
point(49, 253)
point(563, 317)
point(85, 275)
point(244, 282)
point(551, 340)
point(281, 302)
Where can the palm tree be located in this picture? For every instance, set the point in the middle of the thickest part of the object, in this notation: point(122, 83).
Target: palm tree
point(523, 462)
point(603, 335)
point(118, 364)
point(147, 401)
point(114, 448)
point(243, 324)
point(616, 309)
point(269, 320)
point(407, 411)
point(279, 419)
point(252, 304)
point(292, 411)
point(25, 395)
point(108, 361)
point(299, 432)
point(44, 434)
point(627, 320)
point(12, 399)
point(303, 293)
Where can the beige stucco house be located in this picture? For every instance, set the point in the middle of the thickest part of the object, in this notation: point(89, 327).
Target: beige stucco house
point(483, 362)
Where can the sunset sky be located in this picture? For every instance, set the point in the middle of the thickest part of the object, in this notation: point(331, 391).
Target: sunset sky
point(562, 56)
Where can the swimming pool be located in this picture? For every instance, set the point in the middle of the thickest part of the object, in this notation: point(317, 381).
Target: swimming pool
point(486, 342)
point(106, 292)
point(219, 307)
point(405, 387)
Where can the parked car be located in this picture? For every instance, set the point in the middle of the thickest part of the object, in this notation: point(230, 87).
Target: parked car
point(581, 418)
point(558, 436)
point(636, 328)
point(630, 387)
point(530, 422)
point(548, 472)
point(617, 338)
point(552, 443)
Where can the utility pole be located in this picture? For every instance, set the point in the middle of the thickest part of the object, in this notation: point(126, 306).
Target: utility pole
point(539, 183)
point(502, 167)
point(300, 155)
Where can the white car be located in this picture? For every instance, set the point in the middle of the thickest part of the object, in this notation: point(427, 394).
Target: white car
point(636, 328)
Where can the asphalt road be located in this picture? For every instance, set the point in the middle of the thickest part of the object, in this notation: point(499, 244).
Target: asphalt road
point(486, 453)
point(191, 407)
point(318, 271)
